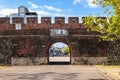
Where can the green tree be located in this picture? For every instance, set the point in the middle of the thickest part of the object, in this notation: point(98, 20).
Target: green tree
point(109, 27)
point(67, 50)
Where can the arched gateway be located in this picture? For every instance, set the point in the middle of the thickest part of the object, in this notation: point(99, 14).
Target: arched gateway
point(24, 41)
point(59, 53)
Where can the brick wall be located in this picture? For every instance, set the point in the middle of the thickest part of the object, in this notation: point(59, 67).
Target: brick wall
point(32, 23)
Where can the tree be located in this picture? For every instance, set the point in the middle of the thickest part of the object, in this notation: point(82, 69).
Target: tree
point(67, 50)
point(109, 27)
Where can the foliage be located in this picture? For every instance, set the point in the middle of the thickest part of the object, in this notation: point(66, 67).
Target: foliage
point(67, 50)
point(56, 51)
point(113, 53)
point(109, 26)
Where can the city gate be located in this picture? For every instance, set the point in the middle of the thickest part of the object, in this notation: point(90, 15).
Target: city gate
point(28, 43)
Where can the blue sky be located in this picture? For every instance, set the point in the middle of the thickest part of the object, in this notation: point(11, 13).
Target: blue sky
point(59, 44)
point(51, 8)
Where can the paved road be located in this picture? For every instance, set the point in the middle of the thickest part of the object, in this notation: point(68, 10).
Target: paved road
point(59, 59)
point(52, 72)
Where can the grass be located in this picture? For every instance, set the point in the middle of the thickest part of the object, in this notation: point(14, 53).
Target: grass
point(111, 69)
point(1, 67)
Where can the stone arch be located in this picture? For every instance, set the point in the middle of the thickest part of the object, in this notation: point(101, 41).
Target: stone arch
point(55, 40)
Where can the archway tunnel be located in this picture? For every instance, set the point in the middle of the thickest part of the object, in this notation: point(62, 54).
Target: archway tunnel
point(59, 53)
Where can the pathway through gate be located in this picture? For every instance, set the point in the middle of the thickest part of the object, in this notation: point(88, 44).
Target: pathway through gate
point(59, 53)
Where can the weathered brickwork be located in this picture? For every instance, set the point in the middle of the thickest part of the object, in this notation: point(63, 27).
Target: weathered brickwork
point(30, 45)
point(17, 20)
point(32, 23)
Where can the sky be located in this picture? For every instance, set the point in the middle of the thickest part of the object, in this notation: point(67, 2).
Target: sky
point(52, 8)
point(59, 44)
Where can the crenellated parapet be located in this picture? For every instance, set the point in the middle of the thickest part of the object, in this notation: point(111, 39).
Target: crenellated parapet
point(4, 20)
point(73, 22)
point(17, 20)
point(59, 21)
point(46, 22)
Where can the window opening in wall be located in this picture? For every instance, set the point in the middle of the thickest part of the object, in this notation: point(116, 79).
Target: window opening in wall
point(18, 27)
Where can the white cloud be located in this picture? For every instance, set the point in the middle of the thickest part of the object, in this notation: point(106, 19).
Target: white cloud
point(42, 13)
point(33, 5)
point(45, 7)
point(7, 11)
point(91, 4)
point(52, 8)
point(45, 13)
point(76, 1)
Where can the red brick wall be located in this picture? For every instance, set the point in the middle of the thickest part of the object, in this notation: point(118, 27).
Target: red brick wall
point(32, 23)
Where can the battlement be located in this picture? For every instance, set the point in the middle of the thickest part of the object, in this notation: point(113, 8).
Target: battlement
point(46, 22)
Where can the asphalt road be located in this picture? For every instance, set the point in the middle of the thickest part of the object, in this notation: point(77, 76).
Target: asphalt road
point(52, 72)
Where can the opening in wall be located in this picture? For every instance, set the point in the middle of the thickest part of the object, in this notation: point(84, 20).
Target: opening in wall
point(18, 27)
point(59, 53)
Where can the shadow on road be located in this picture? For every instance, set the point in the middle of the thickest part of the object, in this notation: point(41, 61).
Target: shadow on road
point(43, 76)
point(59, 63)
point(40, 76)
